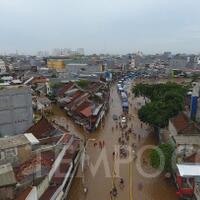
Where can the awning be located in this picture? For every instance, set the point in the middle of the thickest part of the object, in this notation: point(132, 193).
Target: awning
point(189, 170)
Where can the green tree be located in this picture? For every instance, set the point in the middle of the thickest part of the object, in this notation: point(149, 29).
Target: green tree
point(83, 83)
point(167, 100)
point(167, 151)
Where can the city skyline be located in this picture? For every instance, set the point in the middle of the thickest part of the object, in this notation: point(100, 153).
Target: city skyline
point(114, 26)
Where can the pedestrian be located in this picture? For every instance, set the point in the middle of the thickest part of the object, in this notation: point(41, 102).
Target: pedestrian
point(111, 194)
point(121, 183)
point(95, 144)
point(100, 145)
point(103, 144)
point(113, 155)
point(114, 192)
point(85, 190)
point(141, 125)
point(139, 137)
point(140, 186)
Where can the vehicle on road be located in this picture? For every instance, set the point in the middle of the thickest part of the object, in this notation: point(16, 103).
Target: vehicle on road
point(123, 122)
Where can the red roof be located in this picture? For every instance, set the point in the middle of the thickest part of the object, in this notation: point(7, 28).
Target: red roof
point(85, 104)
point(194, 158)
point(60, 173)
point(74, 97)
point(40, 79)
point(180, 122)
point(65, 138)
point(23, 195)
point(184, 126)
point(45, 159)
point(63, 89)
point(41, 129)
point(87, 112)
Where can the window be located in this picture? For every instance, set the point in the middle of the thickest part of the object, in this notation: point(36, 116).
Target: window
point(11, 153)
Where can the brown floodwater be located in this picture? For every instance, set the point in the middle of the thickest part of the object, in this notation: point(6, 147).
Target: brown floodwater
point(137, 186)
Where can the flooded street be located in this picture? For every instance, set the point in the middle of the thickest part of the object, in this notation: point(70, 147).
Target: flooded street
point(137, 187)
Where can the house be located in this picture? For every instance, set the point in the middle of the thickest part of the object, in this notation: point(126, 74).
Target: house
point(43, 129)
point(51, 169)
point(39, 84)
point(188, 181)
point(17, 149)
point(30, 193)
point(8, 182)
point(42, 103)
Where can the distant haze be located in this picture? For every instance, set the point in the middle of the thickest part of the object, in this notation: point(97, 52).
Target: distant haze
point(100, 26)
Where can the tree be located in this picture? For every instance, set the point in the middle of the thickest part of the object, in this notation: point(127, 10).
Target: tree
point(83, 83)
point(166, 102)
point(167, 152)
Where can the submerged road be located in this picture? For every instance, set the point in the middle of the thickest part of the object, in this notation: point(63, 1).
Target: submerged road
point(99, 184)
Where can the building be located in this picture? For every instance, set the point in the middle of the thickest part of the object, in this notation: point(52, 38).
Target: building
point(17, 149)
point(2, 67)
point(16, 113)
point(8, 182)
point(57, 64)
point(80, 51)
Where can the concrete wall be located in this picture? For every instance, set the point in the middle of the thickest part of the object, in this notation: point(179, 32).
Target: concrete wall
point(42, 187)
point(16, 114)
point(32, 195)
point(23, 153)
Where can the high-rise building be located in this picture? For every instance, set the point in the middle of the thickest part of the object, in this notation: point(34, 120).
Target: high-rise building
point(2, 67)
point(80, 51)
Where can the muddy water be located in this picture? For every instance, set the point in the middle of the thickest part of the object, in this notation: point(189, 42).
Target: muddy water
point(137, 187)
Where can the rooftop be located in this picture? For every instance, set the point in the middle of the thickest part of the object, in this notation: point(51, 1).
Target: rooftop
point(194, 158)
point(40, 163)
point(184, 126)
point(59, 175)
point(43, 128)
point(13, 141)
point(189, 170)
point(23, 195)
point(7, 175)
point(180, 122)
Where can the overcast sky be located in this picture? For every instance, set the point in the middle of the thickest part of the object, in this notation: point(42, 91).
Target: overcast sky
point(101, 26)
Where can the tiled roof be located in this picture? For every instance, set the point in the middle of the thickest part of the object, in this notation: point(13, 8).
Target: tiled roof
point(42, 162)
point(184, 126)
point(60, 173)
point(194, 158)
point(82, 106)
point(23, 195)
point(180, 122)
point(40, 79)
point(41, 129)
point(63, 89)
point(87, 112)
